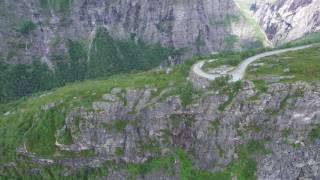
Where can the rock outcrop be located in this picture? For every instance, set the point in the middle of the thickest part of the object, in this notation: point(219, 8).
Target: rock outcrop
point(200, 26)
point(286, 20)
point(133, 126)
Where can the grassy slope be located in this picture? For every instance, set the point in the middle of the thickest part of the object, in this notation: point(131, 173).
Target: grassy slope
point(27, 123)
point(244, 7)
point(307, 39)
point(107, 57)
point(303, 65)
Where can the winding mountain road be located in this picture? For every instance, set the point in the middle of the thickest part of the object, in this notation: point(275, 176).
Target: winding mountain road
point(239, 72)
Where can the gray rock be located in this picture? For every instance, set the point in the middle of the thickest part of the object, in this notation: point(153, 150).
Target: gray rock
point(48, 106)
point(286, 20)
point(145, 128)
point(110, 97)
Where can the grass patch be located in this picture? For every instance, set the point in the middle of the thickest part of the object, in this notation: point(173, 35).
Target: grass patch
point(187, 93)
point(243, 168)
point(307, 39)
point(224, 87)
point(57, 5)
point(119, 151)
point(230, 60)
point(26, 27)
point(302, 65)
point(215, 125)
point(15, 127)
point(314, 134)
point(164, 163)
point(117, 126)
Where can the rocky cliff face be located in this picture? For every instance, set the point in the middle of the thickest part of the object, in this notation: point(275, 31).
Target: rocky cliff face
point(286, 20)
point(201, 26)
point(133, 126)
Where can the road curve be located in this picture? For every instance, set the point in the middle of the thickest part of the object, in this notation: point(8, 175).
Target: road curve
point(239, 72)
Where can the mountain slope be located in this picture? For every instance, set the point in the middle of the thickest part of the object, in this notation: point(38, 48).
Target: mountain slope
point(287, 20)
point(81, 39)
point(154, 125)
point(201, 26)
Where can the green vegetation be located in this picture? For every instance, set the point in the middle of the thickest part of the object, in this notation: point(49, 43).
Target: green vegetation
point(315, 134)
point(214, 125)
point(57, 5)
point(225, 21)
point(261, 86)
point(242, 168)
point(166, 163)
point(231, 90)
point(23, 121)
point(26, 27)
point(22, 80)
point(119, 151)
point(177, 120)
point(285, 134)
point(187, 93)
point(107, 57)
point(47, 123)
point(150, 146)
point(231, 58)
point(224, 87)
point(307, 39)
point(75, 67)
point(117, 126)
point(261, 38)
point(303, 65)
point(51, 172)
point(230, 40)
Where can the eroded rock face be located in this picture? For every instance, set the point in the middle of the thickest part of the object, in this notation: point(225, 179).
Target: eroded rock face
point(201, 26)
point(175, 24)
point(286, 20)
point(295, 164)
point(134, 126)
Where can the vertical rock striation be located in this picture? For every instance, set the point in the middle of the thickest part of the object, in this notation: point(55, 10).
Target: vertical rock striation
point(199, 26)
point(286, 20)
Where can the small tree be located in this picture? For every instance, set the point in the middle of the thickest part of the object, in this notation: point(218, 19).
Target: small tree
point(25, 29)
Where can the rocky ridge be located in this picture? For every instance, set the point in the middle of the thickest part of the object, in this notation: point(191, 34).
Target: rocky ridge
point(132, 126)
point(287, 20)
point(201, 26)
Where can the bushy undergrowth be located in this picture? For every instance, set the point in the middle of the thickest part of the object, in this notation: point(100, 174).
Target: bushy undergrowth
point(224, 87)
point(310, 38)
point(242, 168)
point(302, 65)
point(107, 57)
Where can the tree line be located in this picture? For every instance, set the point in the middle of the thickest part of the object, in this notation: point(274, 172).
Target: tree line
point(107, 57)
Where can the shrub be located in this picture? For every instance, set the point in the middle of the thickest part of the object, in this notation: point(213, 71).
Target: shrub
point(26, 27)
point(186, 94)
point(119, 151)
point(314, 134)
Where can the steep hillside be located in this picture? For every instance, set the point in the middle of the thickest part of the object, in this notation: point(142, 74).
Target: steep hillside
point(39, 29)
point(86, 90)
point(156, 125)
point(287, 20)
point(49, 43)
